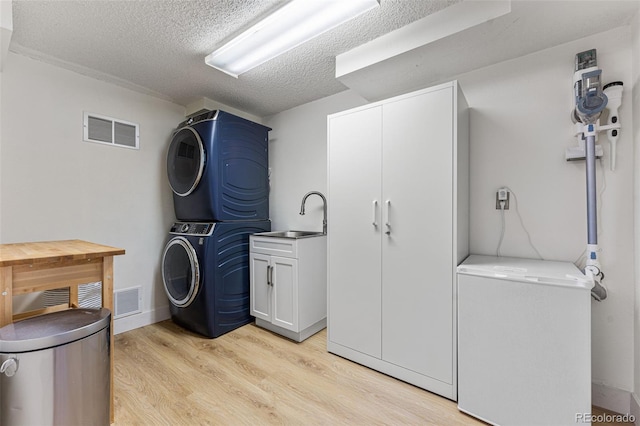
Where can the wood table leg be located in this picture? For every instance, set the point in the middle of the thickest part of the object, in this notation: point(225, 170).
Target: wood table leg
point(73, 297)
point(6, 295)
point(107, 302)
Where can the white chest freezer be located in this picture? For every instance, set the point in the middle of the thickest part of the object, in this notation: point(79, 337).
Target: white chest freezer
point(524, 341)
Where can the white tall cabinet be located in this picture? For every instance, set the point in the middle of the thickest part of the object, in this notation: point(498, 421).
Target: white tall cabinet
point(398, 228)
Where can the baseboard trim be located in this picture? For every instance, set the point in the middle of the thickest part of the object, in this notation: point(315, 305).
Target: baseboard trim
point(635, 408)
point(131, 322)
point(612, 399)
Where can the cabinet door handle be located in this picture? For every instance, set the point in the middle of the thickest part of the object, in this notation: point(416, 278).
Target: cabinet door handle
point(269, 275)
point(273, 283)
point(375, 211)
point(388, 222)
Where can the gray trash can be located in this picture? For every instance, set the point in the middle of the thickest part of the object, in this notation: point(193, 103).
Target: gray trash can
point(54, 369)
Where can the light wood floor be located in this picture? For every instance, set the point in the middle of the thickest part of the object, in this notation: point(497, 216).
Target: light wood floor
point(165, 375)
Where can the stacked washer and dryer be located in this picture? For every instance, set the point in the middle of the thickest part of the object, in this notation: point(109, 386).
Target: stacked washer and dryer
point(217, 166)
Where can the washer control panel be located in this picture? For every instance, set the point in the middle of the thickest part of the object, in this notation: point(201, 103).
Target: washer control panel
point(192, 228)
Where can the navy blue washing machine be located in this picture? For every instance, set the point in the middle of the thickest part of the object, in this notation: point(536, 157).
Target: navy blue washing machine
point(205, 271)
point(218, 168)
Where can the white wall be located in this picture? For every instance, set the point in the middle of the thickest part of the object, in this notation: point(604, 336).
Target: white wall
point(520, 128)
point(0, 157)
point(6, 30)
point(298, 160)
point(55, 186)
point(635, 403)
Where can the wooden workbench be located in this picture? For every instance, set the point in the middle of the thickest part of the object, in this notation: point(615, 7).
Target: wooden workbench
point(48, 265)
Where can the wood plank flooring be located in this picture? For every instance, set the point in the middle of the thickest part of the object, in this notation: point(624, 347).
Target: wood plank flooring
point(165, 375)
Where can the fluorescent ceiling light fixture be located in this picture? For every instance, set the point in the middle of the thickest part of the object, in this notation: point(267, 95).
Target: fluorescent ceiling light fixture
point(293, 24)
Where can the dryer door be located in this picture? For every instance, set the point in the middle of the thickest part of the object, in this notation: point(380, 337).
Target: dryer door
point(185, 161)
point(180, 272)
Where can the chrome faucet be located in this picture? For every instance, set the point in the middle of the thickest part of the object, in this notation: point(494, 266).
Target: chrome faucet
point(324, 208)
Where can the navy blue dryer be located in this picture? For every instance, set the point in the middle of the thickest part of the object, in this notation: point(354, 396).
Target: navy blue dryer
point(205, 271)
point(218, 167)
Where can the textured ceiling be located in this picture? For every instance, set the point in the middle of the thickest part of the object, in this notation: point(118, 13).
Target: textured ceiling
point(159, 47)
point(528, 27)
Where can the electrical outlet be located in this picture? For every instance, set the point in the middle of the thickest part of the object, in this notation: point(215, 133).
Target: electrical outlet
point(502, 194)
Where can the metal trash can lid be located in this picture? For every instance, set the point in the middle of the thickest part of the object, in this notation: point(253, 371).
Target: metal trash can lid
point(54, 329)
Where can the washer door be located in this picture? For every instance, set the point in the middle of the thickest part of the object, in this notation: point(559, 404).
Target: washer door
point(185, 161)
point(180, 272)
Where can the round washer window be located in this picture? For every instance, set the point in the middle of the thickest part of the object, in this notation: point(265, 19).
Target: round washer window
point(185, 161)
point(180, 272)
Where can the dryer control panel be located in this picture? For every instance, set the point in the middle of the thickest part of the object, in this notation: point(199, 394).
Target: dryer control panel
point(192, 228)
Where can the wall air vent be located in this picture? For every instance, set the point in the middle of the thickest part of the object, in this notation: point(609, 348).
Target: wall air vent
point(89, 296)
point(127, 302)
point(110, 131)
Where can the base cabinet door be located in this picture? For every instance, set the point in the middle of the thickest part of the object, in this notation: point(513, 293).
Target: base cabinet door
point(260, 289)
point(274, 290)
point(284, 292)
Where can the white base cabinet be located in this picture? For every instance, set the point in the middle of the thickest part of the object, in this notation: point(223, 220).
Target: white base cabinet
point(398, 227)
point(288, 284)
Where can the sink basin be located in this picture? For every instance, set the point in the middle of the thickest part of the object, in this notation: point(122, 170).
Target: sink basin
point(291, 234)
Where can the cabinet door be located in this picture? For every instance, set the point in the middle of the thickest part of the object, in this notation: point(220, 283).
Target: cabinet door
point(354, 315)
point(285, 292)
point(417, 269)
point(260, 291)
